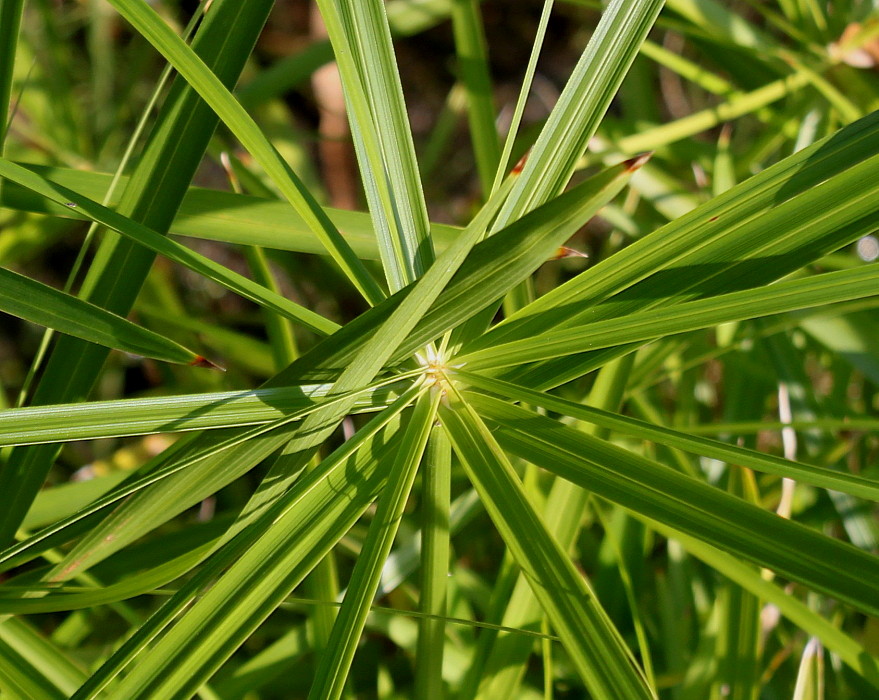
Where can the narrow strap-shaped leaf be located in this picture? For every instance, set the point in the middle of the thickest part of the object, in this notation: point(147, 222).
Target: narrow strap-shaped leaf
point(33, 666)
point(849, 649)
point(170, 249)
point(10, 21)
point(217, 215)
point(233, 115)
point(473, 69)
point(524, 91)
point(225, 457)
point(332, 672)
point(807, 473)
point(593, 644)
point(49, 307)
point(489, 270)
point(574, 119)
point(361, 38)
point(259, 569)
point(691, 506)
point(173, 152)
point(142, 583)
point(127, 417)
point(792, 295)
point(748, 223)
point(436, 527)
point(593, 83)
point(562, 511)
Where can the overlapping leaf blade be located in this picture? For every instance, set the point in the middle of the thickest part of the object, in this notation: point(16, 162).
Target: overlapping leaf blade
point(175, 148)
point(151, 240)
point(791, 214)
point(781, 297)
point(126, 417)
point(46, 306)
point(594, 645)
point(826, 478)
point(640, 484)
point(265, 563)
point(233, 115)
point(216, 215)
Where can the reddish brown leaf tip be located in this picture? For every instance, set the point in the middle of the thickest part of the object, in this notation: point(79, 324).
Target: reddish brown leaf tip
point(565, 252)
point(517, 168)
point(200, 361)
point(636, 162)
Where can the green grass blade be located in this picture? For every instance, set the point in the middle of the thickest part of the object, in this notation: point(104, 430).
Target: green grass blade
point(115, 184)
point(406, 18)
point(519, 110)
point(780, 297)
point(563, 511)
point(46, 306)
point(219, 216)
point(361, 37)
point(735, 107)
point(335, 663)
point(165, 169)
point(848, 648)
point(807, 473)
point(593, 644)
point(139, 584)
point(181, 483)
point(211, 89)
point(263, 565)
point(724, 23)
point(404, 560)
point(128, 417)
point(32, 667)
point(489, 271)
point(587, 95)
point(278, 328)
point(170, 249)
point(732, 226)
point(657, 491)
point(826, 188)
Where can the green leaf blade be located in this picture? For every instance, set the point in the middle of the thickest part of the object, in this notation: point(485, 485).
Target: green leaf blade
point(46, 306)
point(828, 565)
point(595, 647)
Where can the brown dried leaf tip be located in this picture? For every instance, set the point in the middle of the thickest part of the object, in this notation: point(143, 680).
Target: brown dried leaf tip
point(565, 252)
point(637, 161)
point(200, 361)
point(517, 168)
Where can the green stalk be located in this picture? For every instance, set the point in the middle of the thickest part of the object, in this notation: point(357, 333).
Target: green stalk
point(10, 21)
point(435, 499)
point(473, 67)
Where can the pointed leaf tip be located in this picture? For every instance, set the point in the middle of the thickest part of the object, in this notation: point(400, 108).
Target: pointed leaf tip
point(565, 252)
point(517, 168)
point(200, 361)
point(637, 161)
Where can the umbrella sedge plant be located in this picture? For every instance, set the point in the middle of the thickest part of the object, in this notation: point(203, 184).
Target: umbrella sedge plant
point(508, 474)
